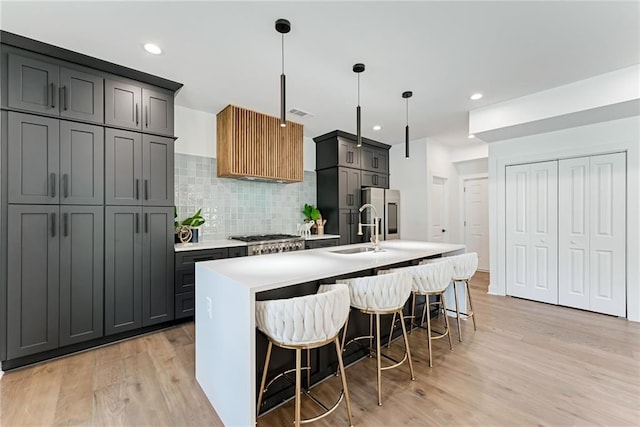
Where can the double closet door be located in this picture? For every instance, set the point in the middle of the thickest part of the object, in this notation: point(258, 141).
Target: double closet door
point(566, 232)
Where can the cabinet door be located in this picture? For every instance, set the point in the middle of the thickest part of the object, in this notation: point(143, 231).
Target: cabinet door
point(345, 220)
point(81, 273)
point(33, 159)
point(348, 188)
point(123, 269)
point(33, 85)
point(123, 167)
point(348, 154)
point(373, 179)
point(81, 164)
point(157, 167)
point(32, 273)
point(157, 266)
point(158, 112)
point(375, 159)
point(81, 95)
point(518, 230)
point(122, 104)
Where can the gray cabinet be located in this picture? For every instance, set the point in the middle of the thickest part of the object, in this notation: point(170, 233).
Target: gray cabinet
point(33, 154)
point(348, 154)
point(375, 159)
point(157, 265)
point(122, 104)
point(157, 171)
point(33, 280)
point(123, 269)
point(42, 87)
point(54, 161)
point(348, 226)
point(158, 112)
point(123, 167)
point(373, 179)
point(321, 243)
point(348, 188)
point(81, 273)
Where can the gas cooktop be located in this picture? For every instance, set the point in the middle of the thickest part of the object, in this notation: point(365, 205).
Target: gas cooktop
point(259, 244)
point(264, 237)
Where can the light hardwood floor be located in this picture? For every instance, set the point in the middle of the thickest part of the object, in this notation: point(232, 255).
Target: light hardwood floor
point(528, 364)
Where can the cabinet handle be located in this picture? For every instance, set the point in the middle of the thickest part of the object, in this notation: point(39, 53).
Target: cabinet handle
point(53, 92)
point(349, 219)
point(375, 163)
point(374, 178)
point(349, 199)
point(137, 222)
point(53, 225)
point(65, 224)
point(146, 189)
point(137, 115)
point(349, 156)
point(137, 189)
point(146, 116)
point(146, 222)
point(65, 181)
point(53, 185)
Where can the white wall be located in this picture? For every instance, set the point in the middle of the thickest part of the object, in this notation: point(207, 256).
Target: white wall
point(196, 132)
point(599, 138)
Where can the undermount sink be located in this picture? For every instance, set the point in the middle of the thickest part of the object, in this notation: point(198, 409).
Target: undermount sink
point(355, 251)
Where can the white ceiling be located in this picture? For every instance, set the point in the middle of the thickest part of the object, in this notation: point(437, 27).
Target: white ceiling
point(229, 53)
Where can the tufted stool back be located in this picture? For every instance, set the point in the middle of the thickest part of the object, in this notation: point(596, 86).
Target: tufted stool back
point(429, 278)
point(305, 320)
point(464, 266)
point(380, 293)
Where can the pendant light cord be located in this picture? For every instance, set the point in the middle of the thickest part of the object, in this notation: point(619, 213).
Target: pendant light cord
point(407, 111)
point(282, 53)
point(358, 89)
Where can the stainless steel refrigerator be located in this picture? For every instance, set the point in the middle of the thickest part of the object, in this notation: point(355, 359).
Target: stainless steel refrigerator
point(387, 204)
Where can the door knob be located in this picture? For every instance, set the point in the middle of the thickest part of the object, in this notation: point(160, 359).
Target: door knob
point(573, 242)
point(444, 231)
point(543, 241)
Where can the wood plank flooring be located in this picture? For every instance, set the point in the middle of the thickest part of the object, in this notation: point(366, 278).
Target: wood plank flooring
point(528, 364)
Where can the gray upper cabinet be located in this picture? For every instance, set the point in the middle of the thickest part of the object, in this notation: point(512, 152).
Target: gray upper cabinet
point(33, 85)
point(81, 95)
point(158, 112)
point(33, 280)
point(157, 265)
point(348, 154)
point(375, 159)
point(157, 170)
point(42, 87)
point(373, 179)
point(122, 104)
point(348, 188)
point(123, 167)
point(123, 269)
point(81, 164)
point(81, 273)
point(33, 154)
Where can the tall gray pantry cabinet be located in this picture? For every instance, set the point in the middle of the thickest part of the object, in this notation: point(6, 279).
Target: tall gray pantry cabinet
point(86, 201)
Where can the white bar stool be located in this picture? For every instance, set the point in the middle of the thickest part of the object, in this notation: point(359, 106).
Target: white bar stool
point(464, 267)
point(304, 323)
point(428, 279)
point(379, 295)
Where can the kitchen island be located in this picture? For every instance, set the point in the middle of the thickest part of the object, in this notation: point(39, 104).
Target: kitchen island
point(227, 345)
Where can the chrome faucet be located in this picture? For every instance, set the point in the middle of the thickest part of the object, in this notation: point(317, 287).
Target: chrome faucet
point(374, 239)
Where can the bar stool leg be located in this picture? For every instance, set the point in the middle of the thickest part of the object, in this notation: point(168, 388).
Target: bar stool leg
point(344, 331)
point(344, 380)
point(371, 335)
point(446, 320)
point(264, 377)
point(413, 311)
point(473, 313)
point(455, 294)
point(406, 347)
point(298, 375)
point(393, 324)
point(308, 370)
point(378, 365)
point(429, 337)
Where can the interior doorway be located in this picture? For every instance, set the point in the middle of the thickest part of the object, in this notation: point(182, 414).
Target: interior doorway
point(438, 210)
point(476, 219)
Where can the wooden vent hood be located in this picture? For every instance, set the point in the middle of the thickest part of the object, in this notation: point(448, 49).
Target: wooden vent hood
point(252, 145)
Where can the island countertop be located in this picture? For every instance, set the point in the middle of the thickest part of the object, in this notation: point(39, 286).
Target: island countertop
point(265, 272)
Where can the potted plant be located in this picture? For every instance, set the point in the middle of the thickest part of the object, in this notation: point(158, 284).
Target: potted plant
point(312, 214)
point(187, 229)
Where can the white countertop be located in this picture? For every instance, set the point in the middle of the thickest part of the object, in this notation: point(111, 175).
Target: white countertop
point(264, 272)
point(208, 244)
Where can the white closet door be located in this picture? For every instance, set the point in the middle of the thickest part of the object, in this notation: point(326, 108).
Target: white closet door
point(574, 226)
point(518, 230)
point(608, 228)
point(544, 232)
point(532, 231)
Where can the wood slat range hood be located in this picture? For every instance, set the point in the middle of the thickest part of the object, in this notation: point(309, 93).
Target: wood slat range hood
point(252, 145)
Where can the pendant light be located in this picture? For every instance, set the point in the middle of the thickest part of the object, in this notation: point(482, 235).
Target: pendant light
point(358, 68)
point(406, 95)
point(283, 26)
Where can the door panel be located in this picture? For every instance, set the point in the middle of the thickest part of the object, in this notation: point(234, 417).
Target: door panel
point(33, 280)
point(122, 104)
point(123, 167)
point(438, 210)
point(157, 165)
point(476, 221)
point(33, 85)
point(81, 273)
point(33, 152)
point(81, 164)
point(158, 112)
point(81, 95)
point(518, 235)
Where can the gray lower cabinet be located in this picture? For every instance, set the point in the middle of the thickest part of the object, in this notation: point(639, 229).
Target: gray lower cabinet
point(33, 84)
point(122, 104)
point(81, 273)
point(158, 112)
point(157, 171)
point(321, 243)
point(348, 226)
point(123, 167)
point(138, 267)
point(33, 280)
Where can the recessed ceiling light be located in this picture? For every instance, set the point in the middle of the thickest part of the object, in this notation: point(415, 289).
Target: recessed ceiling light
point(471, 136)
point(153, 48)
point(475, 96)
point(377, 127)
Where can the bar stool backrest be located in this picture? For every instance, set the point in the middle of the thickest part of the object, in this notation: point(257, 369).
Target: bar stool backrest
point(464, 266)
point(385, 292)
point(430, 277)
point(305, 320)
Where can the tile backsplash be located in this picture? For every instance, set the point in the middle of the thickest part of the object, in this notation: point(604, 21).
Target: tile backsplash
point(232, 206)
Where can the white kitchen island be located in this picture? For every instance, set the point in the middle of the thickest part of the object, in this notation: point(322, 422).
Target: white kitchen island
point(225, 310)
